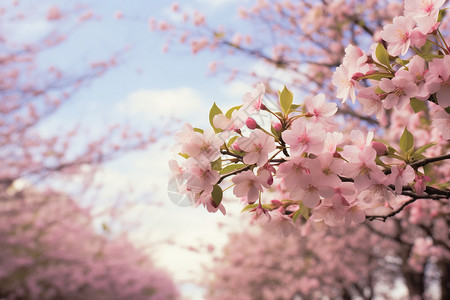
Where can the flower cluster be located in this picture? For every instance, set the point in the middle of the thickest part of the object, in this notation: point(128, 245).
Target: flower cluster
point(296, 153)
point(396, 82)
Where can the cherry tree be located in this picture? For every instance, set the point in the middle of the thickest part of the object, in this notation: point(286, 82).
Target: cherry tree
point(50, 250)
point(296, 164)
point(49, 247)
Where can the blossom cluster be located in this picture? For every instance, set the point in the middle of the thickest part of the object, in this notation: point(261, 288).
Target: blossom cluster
point(397, 81)
point(297, 150)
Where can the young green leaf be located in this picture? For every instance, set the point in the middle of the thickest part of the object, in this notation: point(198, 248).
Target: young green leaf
point(417, 105)
point(230, 111)
point(249, 207)
point(382, 55)
point(215, 110)
point(217, 164)
point(217, 195)
point(406, 140)
point(232, 168)
point(286, 98)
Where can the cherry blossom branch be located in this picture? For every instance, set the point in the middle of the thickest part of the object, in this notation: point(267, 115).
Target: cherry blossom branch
point(425, 161)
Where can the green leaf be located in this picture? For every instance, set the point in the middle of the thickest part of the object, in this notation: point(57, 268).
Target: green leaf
point(230, 111)
point(232, 168)
point(249, 207)
point(231, 141)
point(294, 106)
point(198, 130)
point(442, 13)
point(301, 211)
point(217, 164)
point(417, 105)
point(215, 110)
point(424, 147)
point(217, 195)
point(406, 141)
point(379, 91)
point(378, 76)
point(286, 98)
point(430, 56)
point(402, 62)
point(447, 109)
point(382, 55)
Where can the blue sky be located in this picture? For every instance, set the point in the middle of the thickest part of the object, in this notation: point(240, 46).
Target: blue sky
point(145, 89)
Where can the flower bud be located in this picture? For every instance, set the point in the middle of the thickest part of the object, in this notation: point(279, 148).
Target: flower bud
point(380, 148)
point(236, 146)
point(270, 180)
point(251, 123)
point(277, 126)
point(357, 75)
point(276, 202)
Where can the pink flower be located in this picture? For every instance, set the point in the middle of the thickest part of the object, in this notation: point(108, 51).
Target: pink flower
point(400, 90)
point(420, 183)
point(438, 80)
point(400, 35)
point(257, 147)
point(203, 146)
point(362, 168)
point(200, 176)
point(371, 102)
point(401, 176)
point(248, 186)
point(441, 120)
point(229, 124)
point(354, 62)
point(310, 187)
point(304, 137)
point(253, 100)
point(416, 73)
point(319, 108)
point(424, 12)
point(291, 169)
point(281, 224)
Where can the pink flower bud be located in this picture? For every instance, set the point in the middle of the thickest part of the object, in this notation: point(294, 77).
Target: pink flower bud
point(276, 202)
point(380, 148)
point(270, 180)
point(236, 146)
point(358, 75)
point(277, 126)
point(251, 123)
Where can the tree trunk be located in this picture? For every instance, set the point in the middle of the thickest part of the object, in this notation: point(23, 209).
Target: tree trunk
point(444, 266)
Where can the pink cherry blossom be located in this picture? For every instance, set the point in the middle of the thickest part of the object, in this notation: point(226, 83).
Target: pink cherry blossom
point(257, 147)
point(441, 119)
point(200, 176)
point(424, 12)
point(400, 35)
point(319, 108)
point(438, 80)
point(362, 168)
point(371, 102)
point(416, 73)
point(203, 145)
point(304, 137)
point(248, 186)
point(229, 124)
point(253, 101)
point(401, 176)
point(400, 90)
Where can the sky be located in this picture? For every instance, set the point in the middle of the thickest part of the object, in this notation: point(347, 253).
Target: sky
point(147, 89)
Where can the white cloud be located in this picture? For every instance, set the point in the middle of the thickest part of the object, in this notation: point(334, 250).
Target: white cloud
point(176, 102)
